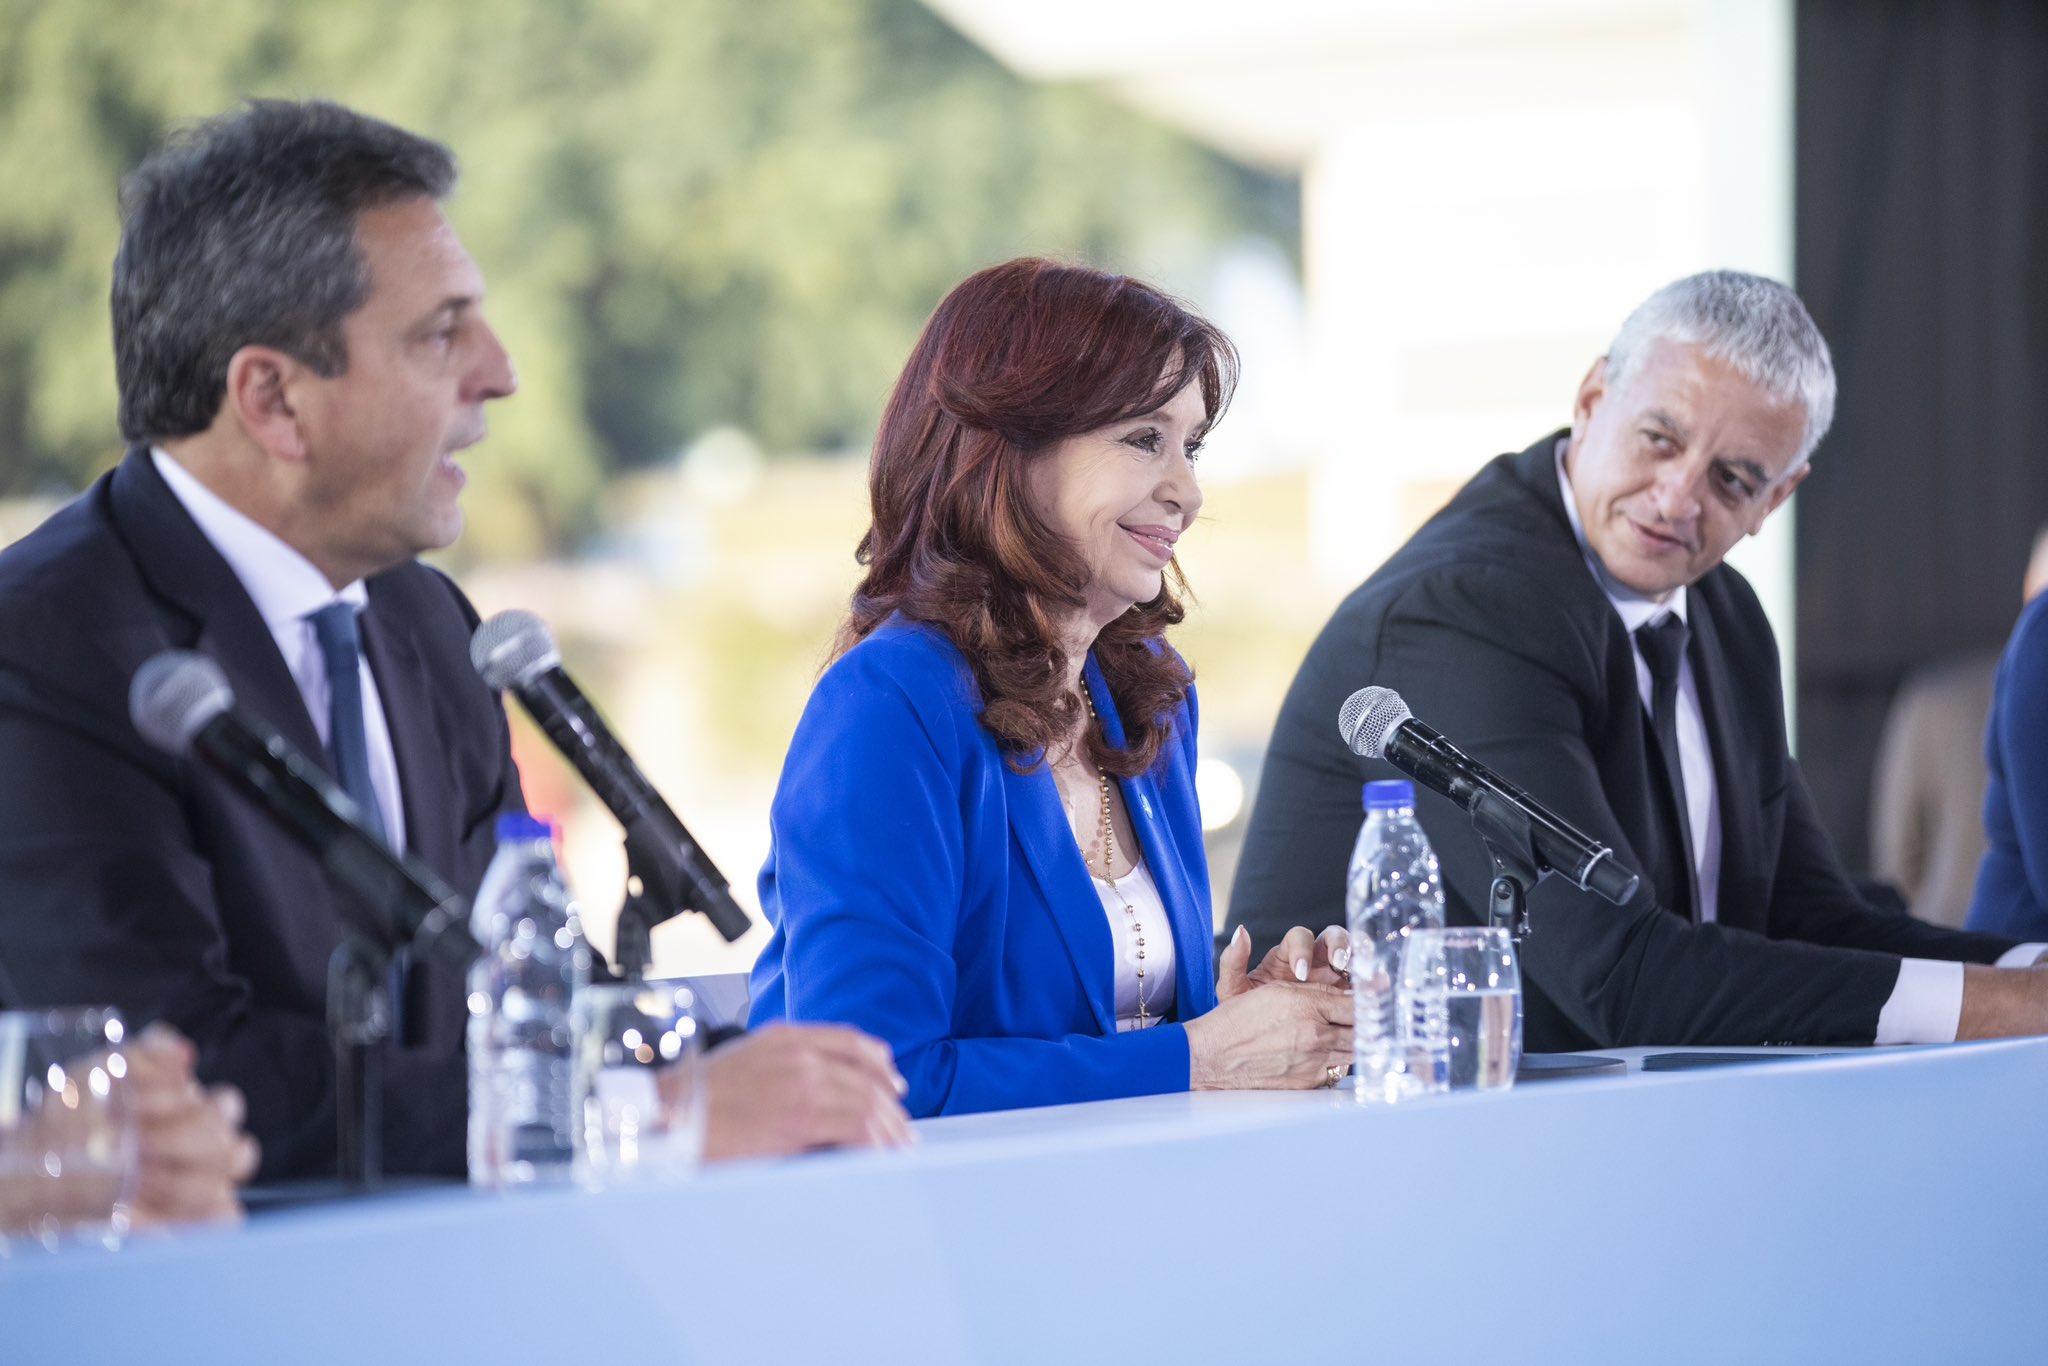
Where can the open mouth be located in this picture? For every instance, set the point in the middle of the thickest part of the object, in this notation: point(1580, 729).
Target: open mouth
point(447, 464)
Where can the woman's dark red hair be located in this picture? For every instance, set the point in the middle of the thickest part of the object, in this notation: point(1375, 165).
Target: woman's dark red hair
point(1015, 360)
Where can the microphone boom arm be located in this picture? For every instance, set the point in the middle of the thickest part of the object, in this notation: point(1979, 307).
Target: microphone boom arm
point(1510, 841)
point(659, 874)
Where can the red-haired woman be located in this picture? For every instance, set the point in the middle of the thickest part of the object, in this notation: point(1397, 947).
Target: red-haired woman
point(986, 847)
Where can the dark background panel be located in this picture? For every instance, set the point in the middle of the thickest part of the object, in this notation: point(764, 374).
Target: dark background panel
point(1922, 164)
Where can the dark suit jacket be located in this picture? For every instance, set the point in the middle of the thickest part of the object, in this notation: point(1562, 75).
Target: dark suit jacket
point(1489, 623)
point(132, 878)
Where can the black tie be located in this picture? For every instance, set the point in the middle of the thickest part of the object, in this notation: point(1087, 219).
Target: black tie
point(1663, 645)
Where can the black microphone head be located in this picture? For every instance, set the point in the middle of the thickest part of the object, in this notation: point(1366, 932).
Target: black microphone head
point(174, 694)
point(513, 648)
point(1369, 717)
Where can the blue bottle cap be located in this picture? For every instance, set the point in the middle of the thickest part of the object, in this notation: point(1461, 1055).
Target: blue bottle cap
point(516, 827)
point(1390, 794)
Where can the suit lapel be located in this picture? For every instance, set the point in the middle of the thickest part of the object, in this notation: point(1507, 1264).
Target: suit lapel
point(1047, 841)
point(1193, 972)
point(1735, 768)
point(182, 567)
point(1039, 825)
point(409, 714)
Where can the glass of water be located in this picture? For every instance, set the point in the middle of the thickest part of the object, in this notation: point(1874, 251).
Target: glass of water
point(69, 1161)
point(1462, 991)
point(639, 1081)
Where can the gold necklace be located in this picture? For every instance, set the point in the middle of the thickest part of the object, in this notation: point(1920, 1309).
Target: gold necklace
point(1108, 847)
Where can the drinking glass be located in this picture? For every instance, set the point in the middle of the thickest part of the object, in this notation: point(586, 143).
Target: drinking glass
point(68, 1156)
point(639, 1081)
point(1463, 993)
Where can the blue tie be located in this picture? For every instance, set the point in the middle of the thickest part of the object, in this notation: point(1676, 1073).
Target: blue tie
point(348, 745)
point(348, 738)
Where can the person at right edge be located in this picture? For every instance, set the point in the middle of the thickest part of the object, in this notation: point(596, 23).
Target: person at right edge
point(2012, 879)
point(1567, 621)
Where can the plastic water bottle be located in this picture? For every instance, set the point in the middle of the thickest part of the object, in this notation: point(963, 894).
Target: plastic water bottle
point(1393, 887)
point(521, 1048)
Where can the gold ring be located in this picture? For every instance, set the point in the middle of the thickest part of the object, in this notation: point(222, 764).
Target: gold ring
point(1336, 1075)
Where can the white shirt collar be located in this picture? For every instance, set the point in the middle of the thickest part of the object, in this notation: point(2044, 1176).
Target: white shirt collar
point(284, 585)
point(1635, 609)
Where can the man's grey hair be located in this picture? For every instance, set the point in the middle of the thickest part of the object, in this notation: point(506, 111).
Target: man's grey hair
point(1754, 325)
point(242, 232)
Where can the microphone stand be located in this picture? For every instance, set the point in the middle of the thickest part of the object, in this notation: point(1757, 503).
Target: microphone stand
point(1510, 840)
point(358, 1020)
point(638, 915)
point(359, 1023)
point(1511, 846)
point(653, 895)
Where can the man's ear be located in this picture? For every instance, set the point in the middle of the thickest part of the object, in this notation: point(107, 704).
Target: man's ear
point(261, 381)
point(1779, 495)
point(1591, 390)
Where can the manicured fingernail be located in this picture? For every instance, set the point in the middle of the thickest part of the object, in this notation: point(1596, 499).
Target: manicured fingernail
point(1340, 959)
point(902, 1086)
point(1301, 969)
point(1242, 933)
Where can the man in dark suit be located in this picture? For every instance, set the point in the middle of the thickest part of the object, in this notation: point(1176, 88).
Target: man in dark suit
point(1567, 620)
point(302, 352)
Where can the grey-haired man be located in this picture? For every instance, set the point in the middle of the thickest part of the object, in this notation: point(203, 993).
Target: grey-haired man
point(1567, 619)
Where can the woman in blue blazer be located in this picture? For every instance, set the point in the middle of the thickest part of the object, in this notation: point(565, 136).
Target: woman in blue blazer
point(986, 846)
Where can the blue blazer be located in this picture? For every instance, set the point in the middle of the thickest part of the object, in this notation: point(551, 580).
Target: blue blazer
point(924, 891)
point(2012, 881)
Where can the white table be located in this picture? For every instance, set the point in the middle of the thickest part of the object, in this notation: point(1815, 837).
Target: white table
point(1861, 1207)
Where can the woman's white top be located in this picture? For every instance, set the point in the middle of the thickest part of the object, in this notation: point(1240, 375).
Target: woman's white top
point(1137, 890)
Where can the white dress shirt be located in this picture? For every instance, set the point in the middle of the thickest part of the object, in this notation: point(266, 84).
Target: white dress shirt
point(287, 590)
point(1926, 1003)
point(1136, 890)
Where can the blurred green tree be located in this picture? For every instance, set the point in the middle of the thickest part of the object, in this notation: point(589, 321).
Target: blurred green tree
point(693, 213)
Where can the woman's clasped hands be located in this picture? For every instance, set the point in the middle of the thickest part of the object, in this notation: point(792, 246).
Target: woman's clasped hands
point(1285, 1025)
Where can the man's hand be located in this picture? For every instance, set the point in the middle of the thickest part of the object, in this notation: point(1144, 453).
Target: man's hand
point(786, 1088)
point(2000, 1003)
point(193, 1150)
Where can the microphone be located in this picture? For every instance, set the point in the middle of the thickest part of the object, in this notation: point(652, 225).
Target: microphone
point(1376, 723)
point(181, 702)
point(515, 650)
